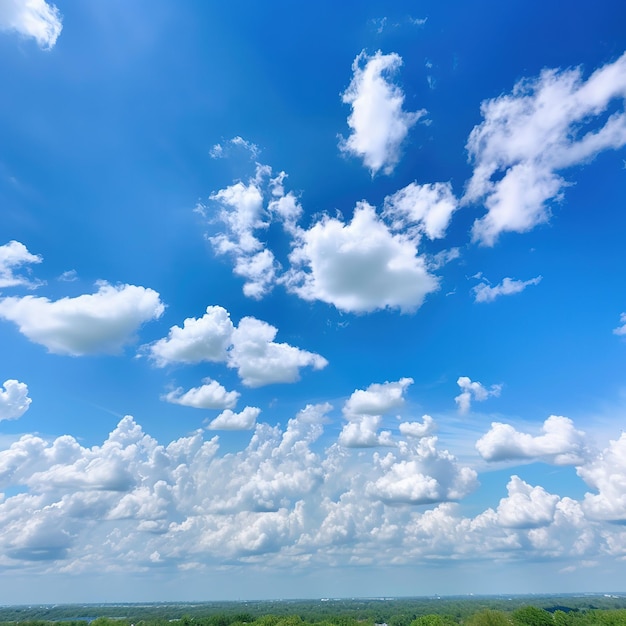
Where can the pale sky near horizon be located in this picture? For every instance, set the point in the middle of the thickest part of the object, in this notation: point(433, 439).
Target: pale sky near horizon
point(305, 300)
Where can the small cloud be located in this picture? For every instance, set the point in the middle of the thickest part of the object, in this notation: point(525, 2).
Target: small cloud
point(15, 255)
point(485, 293)
point(68, 277)
point(471, 390)
point(223, 150)
point(228, 420)
point(14, 400)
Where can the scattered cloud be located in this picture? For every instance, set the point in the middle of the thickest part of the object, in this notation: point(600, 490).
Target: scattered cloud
point(211, 395)
point(378, 123)
point(32, 18)
point(13, 256)
point(473, 391)
point(68, 277)
point(248, 347)
point(484, 292)
point(103, 322)
point(560, 443)
point(224, 149)
point(14, 400)
point(359, 266)
point(228, 420)
point(530, 135)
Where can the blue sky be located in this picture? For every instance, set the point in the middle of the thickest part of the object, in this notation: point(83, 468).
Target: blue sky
point(306, 301)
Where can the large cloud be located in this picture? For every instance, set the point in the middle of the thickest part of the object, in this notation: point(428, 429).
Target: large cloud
point(13, 255)
point(560, 443)
point(93, 323)
point(32, 18)
point(360, 266)
point(248, 347)
point(132, 503)
point(14, 400)
point(527, 137)
point(378, 122)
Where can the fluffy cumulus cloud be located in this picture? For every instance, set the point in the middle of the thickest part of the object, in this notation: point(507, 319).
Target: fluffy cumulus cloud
point(102, 322)
point(246, 210)
point(364, 410)
point(32, 18)
point(529, 136)
point(229, 420)
point(210, 395)
point(14, 400)
point(473, 390)
point(421, 474)
point(484, 292)
point(560, 443)
point(418, 429)
point(526, 506)
point(200, 339)
point(377, 399)
point(248, 347)
point(261, 361)
point(283, 498)
point(359, 266)
point(606, 474)
point(378, 122)
point(14, 255)
point(428, 208)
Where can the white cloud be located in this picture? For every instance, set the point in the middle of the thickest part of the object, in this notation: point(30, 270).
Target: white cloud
point(88, 324)
point(14, 400)
point(607, 475)
point(280, 501)
point(243, 213)
point(14, 255)
point(560, 443)
point(473, 391)
point(621, 329)
point(362, 432)
point(377, 399)
point(211, 395)
point(543, 127)
point(429, 207)
point(418, 429)
point(228, 420)
point(425, 475)
point(526, 506)
point(360, 266)
point(32, 18)
point(220, 151)
point(378, 122)
point(261, 361)
point(486, 293)
point(248, 347)
point(204, 339)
